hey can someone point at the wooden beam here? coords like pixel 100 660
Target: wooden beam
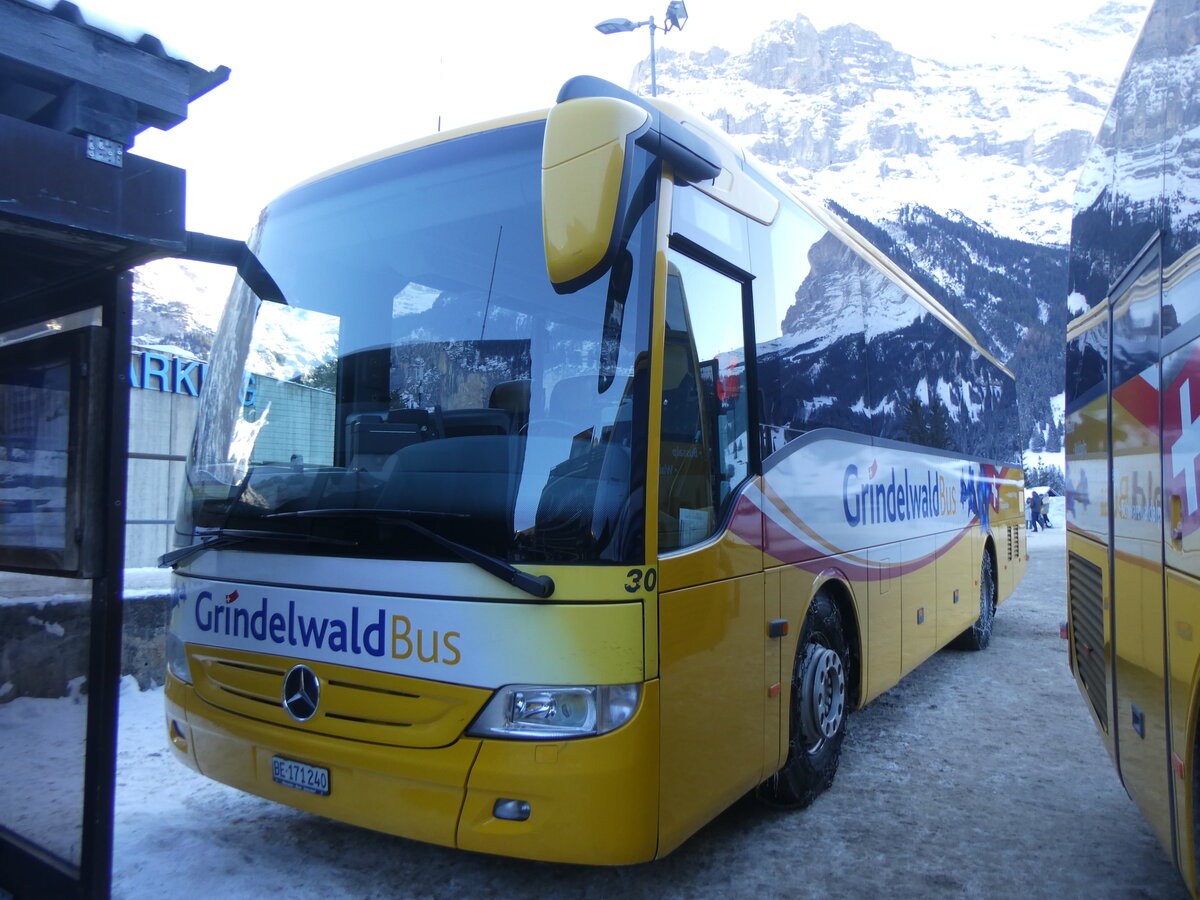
pixel 66 52
pixel 64 214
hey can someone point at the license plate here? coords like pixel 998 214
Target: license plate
pixel 303 777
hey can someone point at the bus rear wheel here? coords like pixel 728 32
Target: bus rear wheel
pixel 820 704
pixel 979 634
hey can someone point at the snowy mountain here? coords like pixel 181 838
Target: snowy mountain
pixel 177 305
pixel 1142 176
pixel 854 334
pixel 844 114
pixel 1010 293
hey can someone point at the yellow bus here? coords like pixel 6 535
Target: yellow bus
pixel 575 481
pixel 1133 401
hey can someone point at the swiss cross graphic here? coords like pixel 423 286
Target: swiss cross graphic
pixel 1181 440
pixel 729 378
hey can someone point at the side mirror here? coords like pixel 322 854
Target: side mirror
pixel 587 159
pixel 587 173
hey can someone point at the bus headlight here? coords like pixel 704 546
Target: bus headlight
pixel 177 661
pixel 540 712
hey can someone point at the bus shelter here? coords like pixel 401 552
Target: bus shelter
pixel 77 212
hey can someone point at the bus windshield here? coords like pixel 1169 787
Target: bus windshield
pixel 423 372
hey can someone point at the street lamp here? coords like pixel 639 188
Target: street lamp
pixel 676 17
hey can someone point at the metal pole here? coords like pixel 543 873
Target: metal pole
pixel 104 664
pixel 653 75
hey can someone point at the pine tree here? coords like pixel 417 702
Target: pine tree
pixel 939 424
pixel 323 376
pixel 915 427
pixel 1054 438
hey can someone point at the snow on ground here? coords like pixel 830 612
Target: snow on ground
pixel 16 587
pixel 42 743
pixel 979 775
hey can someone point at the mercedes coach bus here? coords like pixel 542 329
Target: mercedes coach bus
pixel 1133 429
pixel 573 481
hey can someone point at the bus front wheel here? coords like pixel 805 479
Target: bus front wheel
pixel 820 689
pixel 979 634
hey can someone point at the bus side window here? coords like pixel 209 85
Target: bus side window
pixel 704 453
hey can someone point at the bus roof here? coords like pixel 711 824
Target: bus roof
pixel 418 143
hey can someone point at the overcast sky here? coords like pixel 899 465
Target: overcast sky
pixel 314 85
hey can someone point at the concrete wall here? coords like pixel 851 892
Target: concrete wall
pixel 162 412
pixel 293 409
pixel 160 435
pixel 44 645
pixel 45 626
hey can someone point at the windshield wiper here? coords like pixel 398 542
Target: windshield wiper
pixel 229 537
pixel 540 586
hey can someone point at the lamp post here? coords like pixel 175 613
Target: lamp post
pixel 675 16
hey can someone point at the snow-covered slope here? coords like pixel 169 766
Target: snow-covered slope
pixel 846 115
pixel 177 305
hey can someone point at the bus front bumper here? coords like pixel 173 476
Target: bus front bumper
pixel 591 800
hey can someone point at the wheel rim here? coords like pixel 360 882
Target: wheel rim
pixel 823 696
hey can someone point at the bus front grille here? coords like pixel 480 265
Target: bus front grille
pixel 1086 598
pixel 355 704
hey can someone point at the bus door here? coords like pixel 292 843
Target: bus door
pixel 713 665
pixel 1181 510
pixel 1141 726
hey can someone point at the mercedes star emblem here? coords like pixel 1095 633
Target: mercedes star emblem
pixel 301 693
